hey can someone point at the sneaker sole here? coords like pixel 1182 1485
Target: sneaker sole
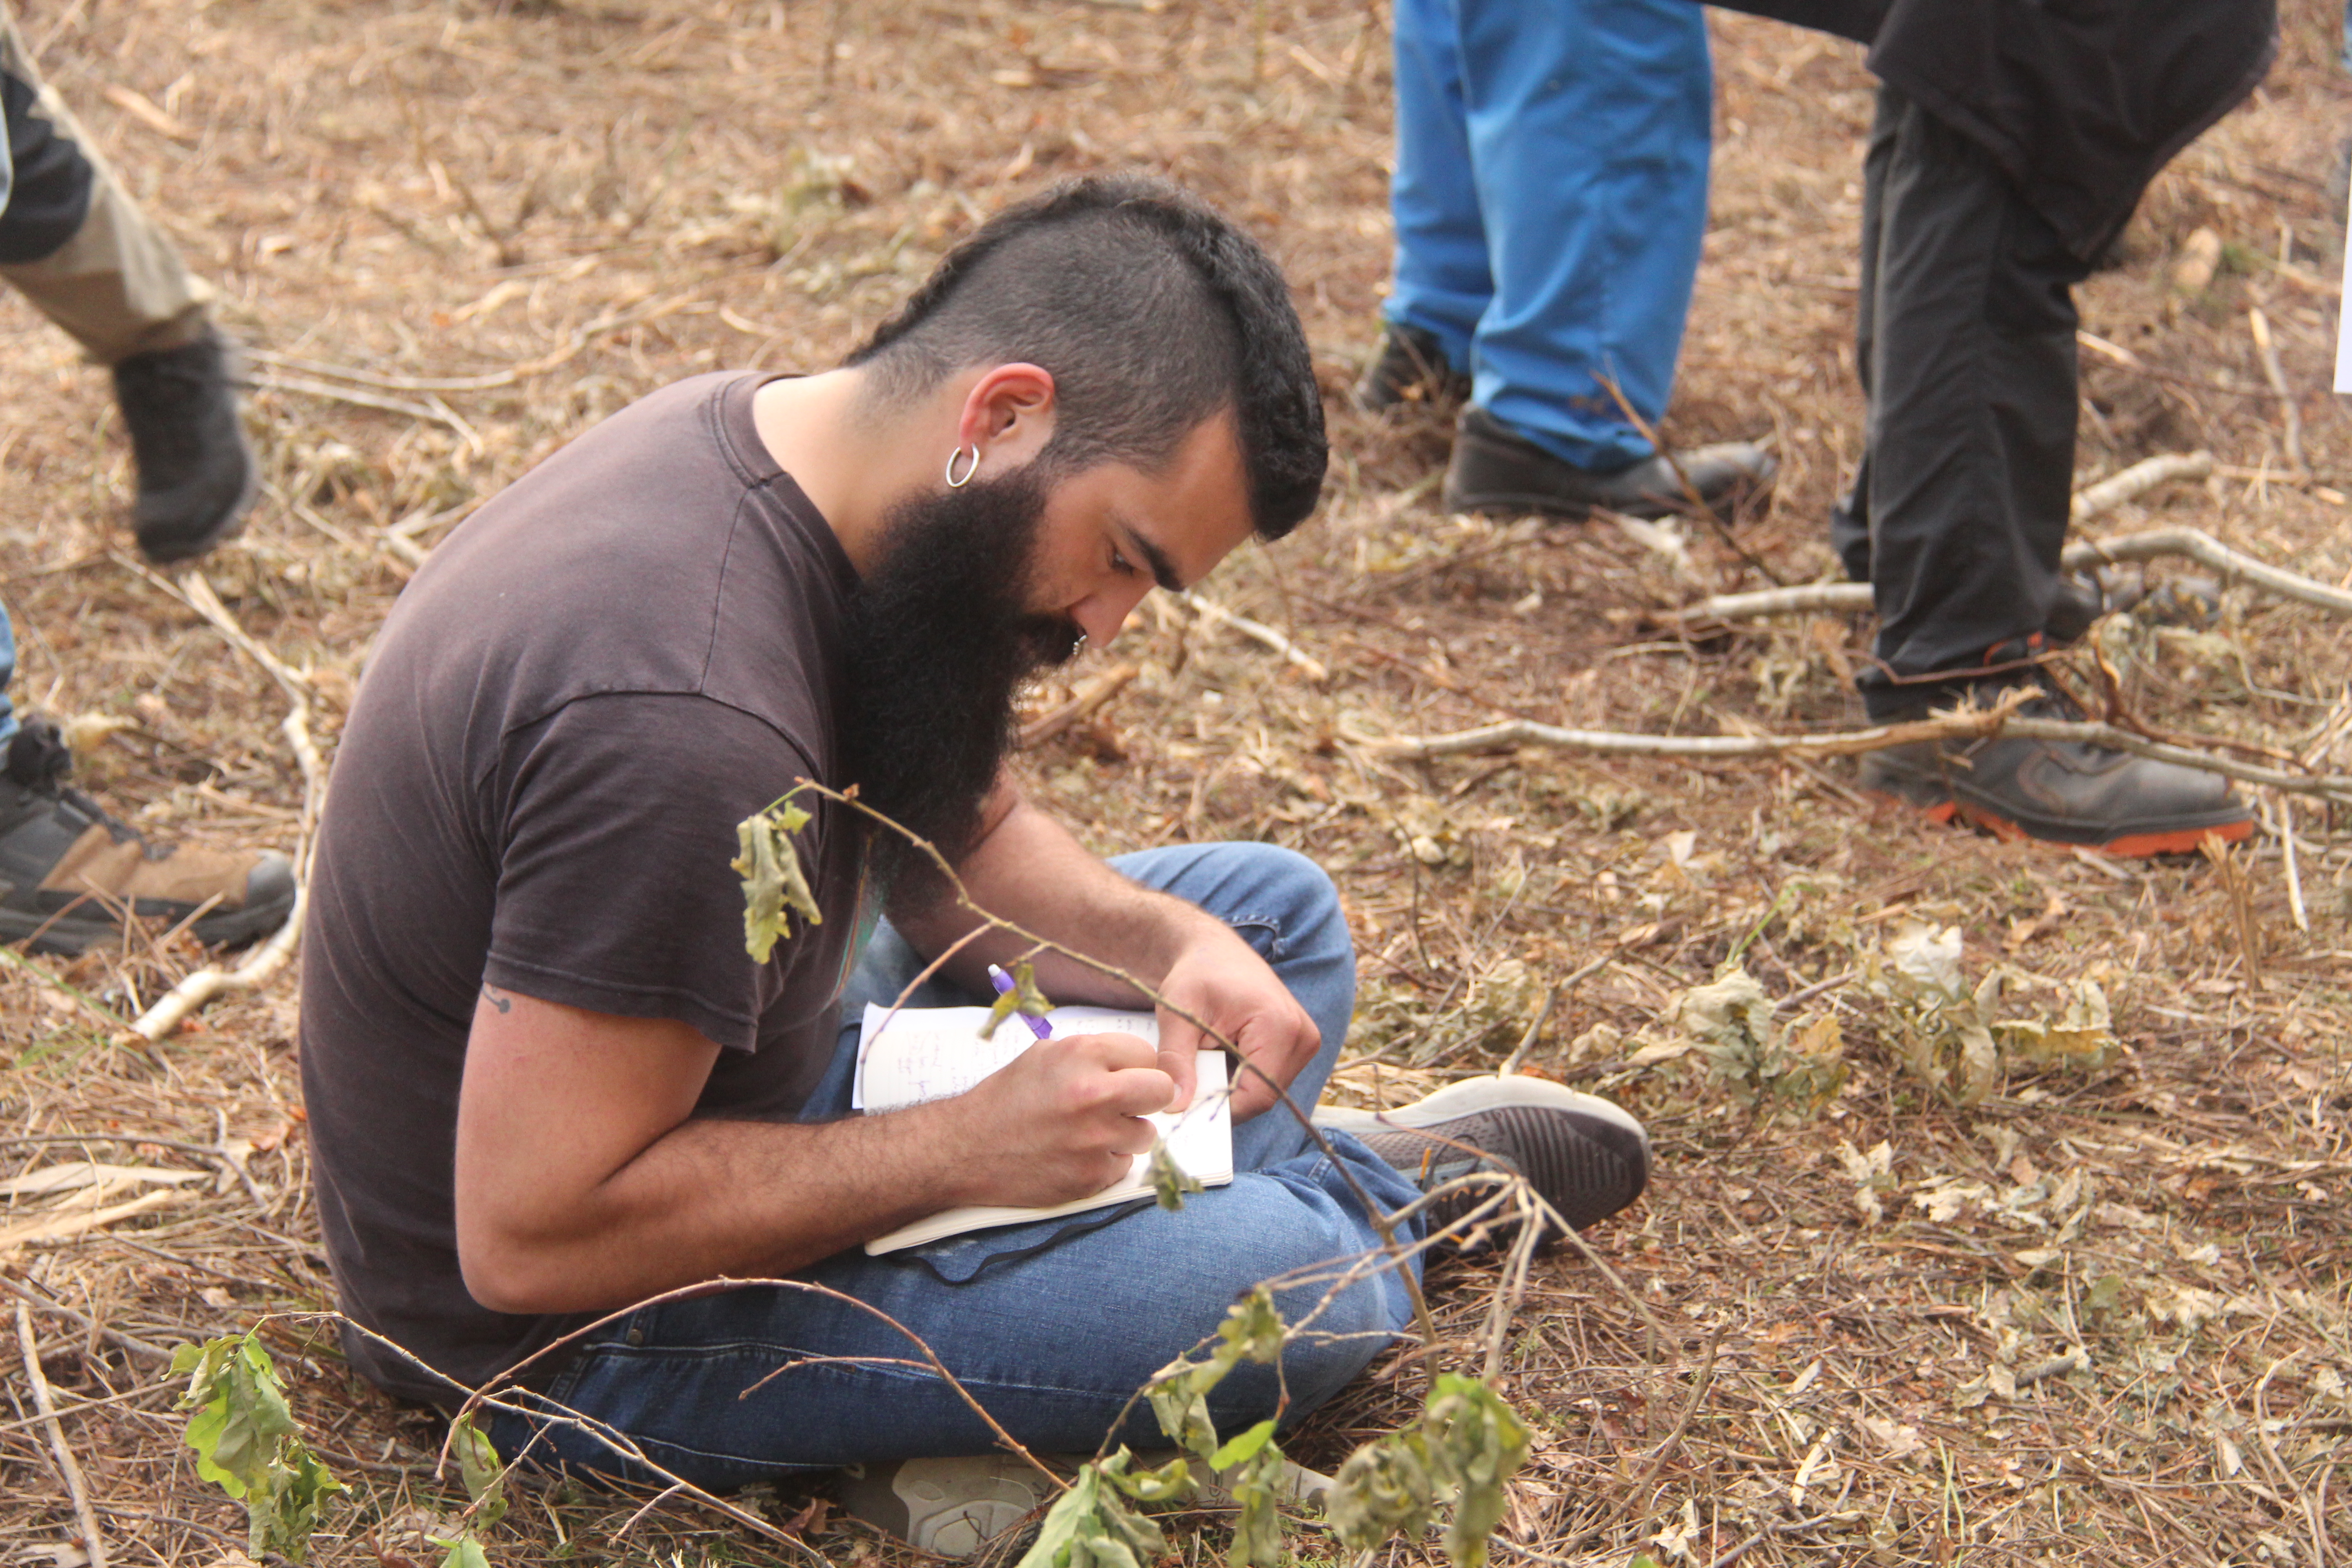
pixel 70 936
pixel 2185 839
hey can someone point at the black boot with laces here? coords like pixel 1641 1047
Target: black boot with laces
pixel 195 472
pixel 69 872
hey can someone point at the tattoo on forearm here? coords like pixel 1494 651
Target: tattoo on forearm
pixel 490 994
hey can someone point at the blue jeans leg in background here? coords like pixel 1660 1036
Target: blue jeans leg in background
pixel 7 673
pixel 1549 202
pixel 1052 1326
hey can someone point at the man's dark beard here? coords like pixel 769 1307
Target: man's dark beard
pixel 939 639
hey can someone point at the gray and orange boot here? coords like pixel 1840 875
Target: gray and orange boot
pixel 69 872
pixel 2062 791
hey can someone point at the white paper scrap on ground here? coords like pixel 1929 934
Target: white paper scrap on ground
pixel 931 1053
pixel 2343 320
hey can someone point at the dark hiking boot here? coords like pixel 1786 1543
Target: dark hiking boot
pixel 67 869
pixel 195 471
pixel 1412 370
pixel 1587 1157
pixel 2065 792
pixel 1496 470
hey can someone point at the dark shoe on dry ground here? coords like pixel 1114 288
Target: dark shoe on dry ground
pixel 67 869
pixel 1496 470
pixel 195 472
pixel 1411 372
pixel 1587 1157
pixel 2065 792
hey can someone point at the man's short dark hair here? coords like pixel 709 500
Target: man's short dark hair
pixel 1152 313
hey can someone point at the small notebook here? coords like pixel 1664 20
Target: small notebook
pixel 931 1053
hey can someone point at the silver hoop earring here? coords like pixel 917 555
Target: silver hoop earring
pixel 954 483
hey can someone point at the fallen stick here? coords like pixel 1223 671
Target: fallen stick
pixel 58 1227
pixel 1260 633
pixel 1090 696
pixel 92 1541
pixel 435 412
pixel 1835 744
pixel 1960 725
pixel 194 991
pixel 2290 417
pixel 171 1009
pixel 2142 477
pixel 2194 544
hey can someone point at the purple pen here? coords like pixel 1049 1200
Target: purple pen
pixel 1003 984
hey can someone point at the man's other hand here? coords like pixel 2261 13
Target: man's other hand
pixel 1220 979
pixel 1063 1120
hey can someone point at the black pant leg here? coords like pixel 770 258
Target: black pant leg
pixel 1969 447
pixel 50 195
pixel 1850 517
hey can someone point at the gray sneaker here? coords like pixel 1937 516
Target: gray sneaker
pixel 1587 1157
pixel 949 1507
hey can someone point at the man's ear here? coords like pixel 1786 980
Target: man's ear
pixel 1008 415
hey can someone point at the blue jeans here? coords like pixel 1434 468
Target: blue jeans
pixel 1549 199
pixel 1052 1326
pixel 7 673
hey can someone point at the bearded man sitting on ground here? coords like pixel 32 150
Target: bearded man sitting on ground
pixel 545 1081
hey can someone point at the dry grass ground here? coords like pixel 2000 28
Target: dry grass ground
pixel 2099 1318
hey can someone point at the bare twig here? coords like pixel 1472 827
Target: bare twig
pixel 1092 695
pixel 264 962
pixel 92 1540
pixel 1257 632
pixel 489 381
pixel 29 1294
pixel 1963 724
pixel 2290 418
pixel 2136 480
pixel 1543 1015
pixel 1839 598
pixel 436 411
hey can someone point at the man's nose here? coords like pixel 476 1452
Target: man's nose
pixel 1101 613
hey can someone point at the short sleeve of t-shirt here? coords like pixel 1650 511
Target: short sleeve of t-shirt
pixel 615 892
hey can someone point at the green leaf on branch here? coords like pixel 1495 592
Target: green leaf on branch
pixel 1169 1482
pixel 1243 1449
pixel 1384 1488
pixel 1023 998
pixel 241 1412
pixel 1171 1183
pixel 1178 1397
pixel 1089 1526
pixel 478 1466
pixel 1179 1392
pixel 464 1552
pixel 774 883
pixel 1467 1445
pixel 248 1443
pixel 1252 1328
pixel 1475 1443
pixel 299 1490
pixel 1249 1466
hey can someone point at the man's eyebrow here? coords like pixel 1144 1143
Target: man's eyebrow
pixel 1163 571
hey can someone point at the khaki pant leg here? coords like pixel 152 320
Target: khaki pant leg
pixel 117 287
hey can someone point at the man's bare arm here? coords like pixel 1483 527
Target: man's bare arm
pixel 1028 868
pixel 584 1182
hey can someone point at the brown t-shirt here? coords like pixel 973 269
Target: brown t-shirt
pixel 595 678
